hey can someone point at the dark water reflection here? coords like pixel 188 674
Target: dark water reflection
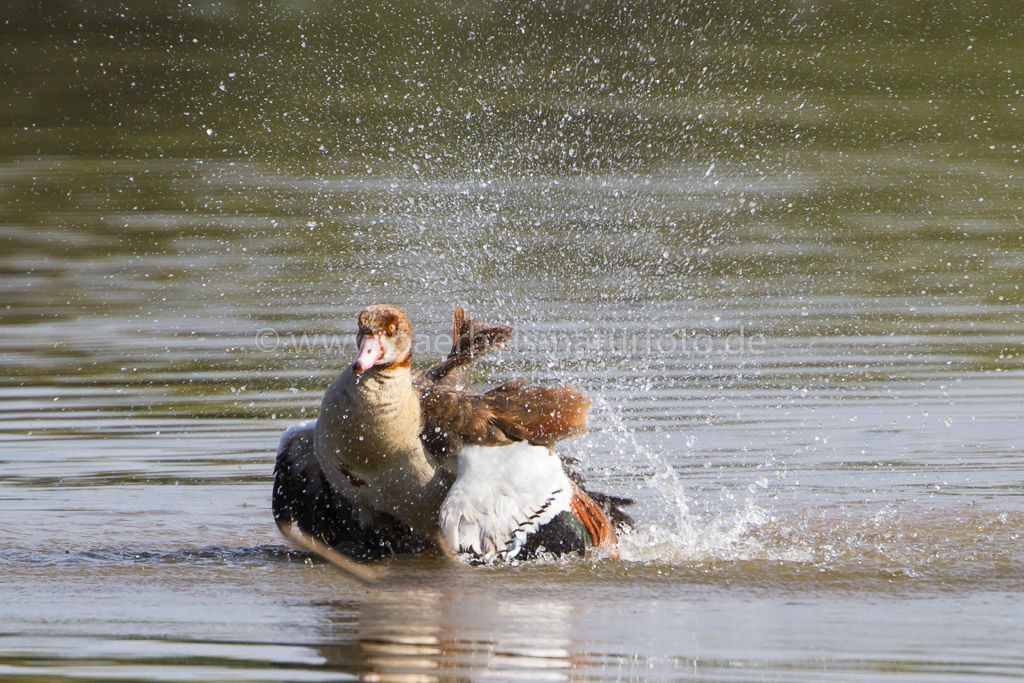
pixel 834 189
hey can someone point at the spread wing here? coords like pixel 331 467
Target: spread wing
pixel 514 411
pixel 470 340
pixel 454 416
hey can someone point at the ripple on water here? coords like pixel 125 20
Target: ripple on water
pixel 844 502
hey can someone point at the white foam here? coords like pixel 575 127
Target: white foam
pixel 668 531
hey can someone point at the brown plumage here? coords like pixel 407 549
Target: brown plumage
pixel 470 340
pixel 540 415
pixel 594 519
pixel 514 411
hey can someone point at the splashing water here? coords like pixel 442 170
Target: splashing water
pixel 667 530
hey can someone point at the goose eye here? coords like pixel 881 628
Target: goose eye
pixel 391 328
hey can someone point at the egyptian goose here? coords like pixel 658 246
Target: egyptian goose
pixel 396 462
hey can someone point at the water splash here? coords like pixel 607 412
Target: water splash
pixel 669 530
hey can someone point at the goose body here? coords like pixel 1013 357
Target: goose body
pixel 397 463
pixel 367 441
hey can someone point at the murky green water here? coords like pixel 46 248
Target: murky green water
pixel 781 247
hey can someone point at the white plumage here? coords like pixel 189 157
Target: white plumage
pixel 503 494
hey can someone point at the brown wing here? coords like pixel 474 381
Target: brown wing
pixel 452 416
pixel 514 411
pixel 470 340
pixel 540 415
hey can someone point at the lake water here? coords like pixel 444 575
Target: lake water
pixel 780 247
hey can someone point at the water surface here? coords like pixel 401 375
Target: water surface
pixel 782 250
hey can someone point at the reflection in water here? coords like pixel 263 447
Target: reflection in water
pixel 515 624
pixel 406 632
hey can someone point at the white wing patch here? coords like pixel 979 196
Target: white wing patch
pixel 502 495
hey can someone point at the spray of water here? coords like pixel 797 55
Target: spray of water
pixel 669 528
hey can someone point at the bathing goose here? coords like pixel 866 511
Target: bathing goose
pixel 396 462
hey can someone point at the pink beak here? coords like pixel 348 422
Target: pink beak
pixel 370 353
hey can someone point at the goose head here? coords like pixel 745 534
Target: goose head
pixel 384 339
